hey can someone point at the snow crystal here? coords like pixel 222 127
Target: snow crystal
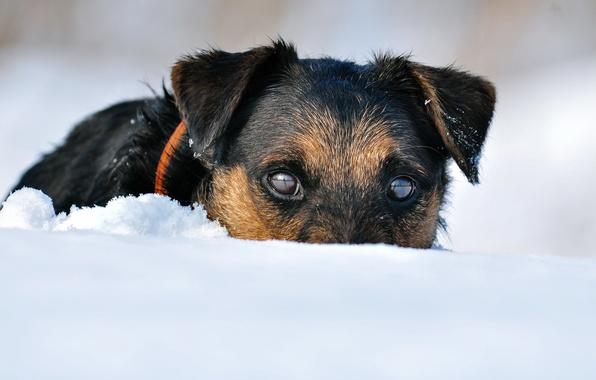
pixel 452 119
pixel 148 214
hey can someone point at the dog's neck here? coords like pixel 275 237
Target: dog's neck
pixel 166 157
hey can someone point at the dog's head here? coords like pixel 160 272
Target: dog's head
pixel 321 150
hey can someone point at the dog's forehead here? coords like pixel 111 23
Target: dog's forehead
pixel 330 97
pixel 331 121
pixel 338 146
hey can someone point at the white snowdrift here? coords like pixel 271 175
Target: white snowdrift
pixel 148 214
pixel 89 305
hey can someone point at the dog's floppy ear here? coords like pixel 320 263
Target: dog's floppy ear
pixel 209 87
pixel 461 107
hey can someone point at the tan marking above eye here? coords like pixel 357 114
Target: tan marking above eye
pixel 356 155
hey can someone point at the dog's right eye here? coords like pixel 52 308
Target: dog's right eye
pixel 284 185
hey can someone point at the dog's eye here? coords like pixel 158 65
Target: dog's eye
pixel 401 189
pixel 284 184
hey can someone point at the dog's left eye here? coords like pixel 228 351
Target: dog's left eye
pixel 284 184
pixel 401 189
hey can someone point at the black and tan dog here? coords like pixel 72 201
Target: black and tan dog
pixel 277 147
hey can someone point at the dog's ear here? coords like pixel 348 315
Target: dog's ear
pixel 210 86
pixel 459 106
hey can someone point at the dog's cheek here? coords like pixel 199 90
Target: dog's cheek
pixel 232 204
pixel 418 230
pixel 235 202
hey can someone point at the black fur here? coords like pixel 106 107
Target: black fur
pixel 113 152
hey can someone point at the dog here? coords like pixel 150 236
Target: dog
pixel 278 147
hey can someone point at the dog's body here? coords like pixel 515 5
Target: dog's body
pixel 277 147
pixel 113 152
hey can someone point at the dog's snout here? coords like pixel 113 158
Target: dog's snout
pixel 344 225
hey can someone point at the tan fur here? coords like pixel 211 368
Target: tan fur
pixel 419 231
pixel 236 205
pixel 353 156
pixel 319 234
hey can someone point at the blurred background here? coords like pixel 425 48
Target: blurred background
pixel 63 59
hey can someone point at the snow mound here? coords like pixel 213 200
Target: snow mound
pixel 148 214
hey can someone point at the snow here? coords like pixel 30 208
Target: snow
pixel 176 298
pixel 148 214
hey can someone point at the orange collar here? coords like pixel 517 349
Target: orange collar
pixel 166 157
